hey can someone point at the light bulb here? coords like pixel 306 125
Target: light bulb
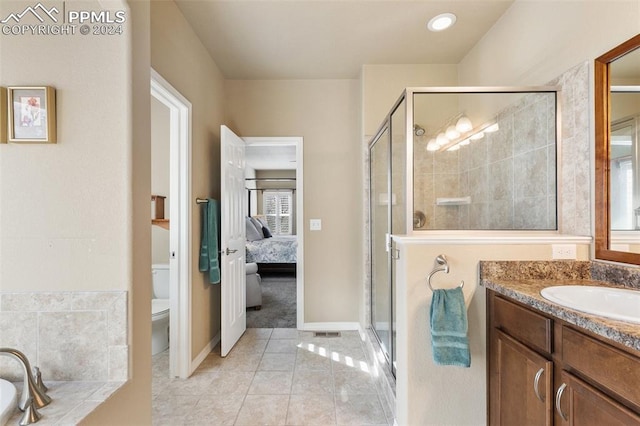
pixel 442 139
pixel 433 145
pixel 452 133
pixel 464 124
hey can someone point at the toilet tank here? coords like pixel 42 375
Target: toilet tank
pixel 160 279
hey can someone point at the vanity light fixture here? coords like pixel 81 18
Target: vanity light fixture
pixel 441 22
pixel 471 135
pixel 476 136
pixel 492 128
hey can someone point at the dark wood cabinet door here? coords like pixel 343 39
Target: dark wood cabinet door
pixel 523 384
pixel 583 405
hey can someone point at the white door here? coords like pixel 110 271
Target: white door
pixel 233 211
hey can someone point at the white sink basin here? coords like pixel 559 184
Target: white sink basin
pixel 8 401
pixel 615 303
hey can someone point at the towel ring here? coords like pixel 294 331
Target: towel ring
pixel 443 266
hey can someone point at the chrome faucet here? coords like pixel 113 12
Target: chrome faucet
pixel 33 392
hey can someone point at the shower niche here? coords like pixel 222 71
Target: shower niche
pixel 456 160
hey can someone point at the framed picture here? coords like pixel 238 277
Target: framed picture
pixel 32 114
pixel 3 115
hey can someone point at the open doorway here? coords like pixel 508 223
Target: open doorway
pixel 172 125
pixel 273 177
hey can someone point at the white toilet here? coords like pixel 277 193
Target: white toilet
pixel 160 309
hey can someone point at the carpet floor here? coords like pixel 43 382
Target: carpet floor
pixel 278 303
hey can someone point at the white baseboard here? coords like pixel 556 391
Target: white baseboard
pixel 203 354
pixel 331 326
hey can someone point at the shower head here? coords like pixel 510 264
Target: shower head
pixel 419 131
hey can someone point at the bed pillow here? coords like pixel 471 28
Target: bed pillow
pixel 252 233
pixel 261 225
pixel 256 223
pixel 265 227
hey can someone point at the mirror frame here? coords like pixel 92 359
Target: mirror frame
pixel 602 154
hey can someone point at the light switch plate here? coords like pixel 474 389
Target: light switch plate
pixel 315 224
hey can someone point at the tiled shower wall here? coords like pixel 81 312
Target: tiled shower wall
pixel 510 175
pixel 79 336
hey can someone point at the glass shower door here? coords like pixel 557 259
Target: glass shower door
pixel 398 207
pixel 380 221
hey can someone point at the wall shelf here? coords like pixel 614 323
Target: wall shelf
pixel 157 211
pixel 163 223
pixel 454 201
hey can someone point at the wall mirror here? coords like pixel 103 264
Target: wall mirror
pixel 617 125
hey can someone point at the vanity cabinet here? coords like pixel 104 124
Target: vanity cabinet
pixel 542 371
pixel 523 384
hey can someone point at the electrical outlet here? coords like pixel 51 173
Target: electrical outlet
pixel 563 251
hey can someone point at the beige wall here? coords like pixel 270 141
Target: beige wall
pixel 132 404
pixel 382 85
pixel 518 50
pixel 178 55
pixel 325 114
pixel 61 226
pixel 435 395
pixel 160 177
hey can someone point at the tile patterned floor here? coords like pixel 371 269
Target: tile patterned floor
pixel 274 377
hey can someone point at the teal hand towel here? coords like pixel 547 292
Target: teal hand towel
pixel 449 340
pixel 209 241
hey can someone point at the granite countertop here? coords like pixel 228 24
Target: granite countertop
pixel 527 291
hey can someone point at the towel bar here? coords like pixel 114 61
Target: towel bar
pixel 443 266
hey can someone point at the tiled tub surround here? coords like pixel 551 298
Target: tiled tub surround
pixel 523 281
pixel 77 339
pixel 71 401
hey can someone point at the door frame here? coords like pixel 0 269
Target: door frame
pixel 296 141
pixel 180 256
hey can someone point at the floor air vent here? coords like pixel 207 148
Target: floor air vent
pixel 326 334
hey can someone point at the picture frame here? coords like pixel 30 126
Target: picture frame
pixel 4 120
pixel 32 114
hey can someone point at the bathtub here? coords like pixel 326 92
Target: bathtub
pixel 8 401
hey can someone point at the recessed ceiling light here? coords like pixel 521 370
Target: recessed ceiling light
pixel 441 22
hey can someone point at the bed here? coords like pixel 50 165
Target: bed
pixel 271 253
pixel 274 250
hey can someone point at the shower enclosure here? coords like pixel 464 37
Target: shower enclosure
pixel 452 160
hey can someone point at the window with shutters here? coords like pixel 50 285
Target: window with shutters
pixel 276 207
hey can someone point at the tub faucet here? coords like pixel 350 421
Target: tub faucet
pixel 32 394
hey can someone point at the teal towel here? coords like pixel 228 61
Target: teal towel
pixel 209 241
pixel 449 328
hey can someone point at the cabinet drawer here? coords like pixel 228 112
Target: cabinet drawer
pixel 603 364
pixel 526 326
